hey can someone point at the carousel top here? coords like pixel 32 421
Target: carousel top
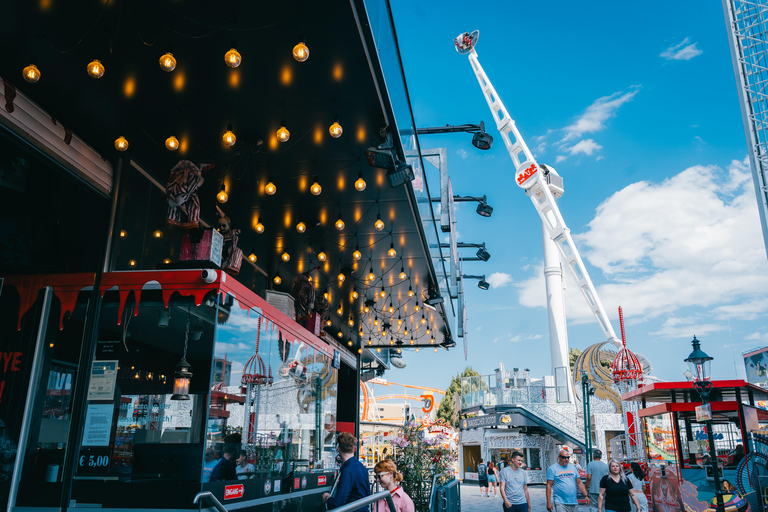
pixel 626 366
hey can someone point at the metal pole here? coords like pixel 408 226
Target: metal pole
pixel 715 468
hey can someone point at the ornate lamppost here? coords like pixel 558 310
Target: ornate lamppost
pixel 586 391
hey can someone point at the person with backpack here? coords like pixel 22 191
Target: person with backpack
pixel 482 478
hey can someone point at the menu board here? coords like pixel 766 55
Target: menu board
pixel 103 380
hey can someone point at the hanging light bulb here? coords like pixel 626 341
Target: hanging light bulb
pixel 391 308
pixel 357 254
pixel 399 320
pixel 410 292
pixel 259 226
pixel 270 188
pixel 379 224
pixel 222 196
pixel 349 342
pixel 167 261
pixel 341 278
pixel 31 73
pixel 121 144
pixel 391 252
pixel 412 342
pixel 132 263
pixel 158 234
pixel 370 342
pixel 398 350
pixel 335 129
pixel 383 331
pixel 327 296
pixel 366 309
pixel 350 322
pixel 233 57
pixel 321 255
pixel 282 133
pixel 229 136
pixel 316 189
pixel 423 320
pixel 301 52
pixel 285 257
pixel 360 183
pixel 416 306
pixel 96 69
pixel 340 334
pixel 328 323
pixel 167 62
pixel 361 332
pixel 376 321
pixel 252 258
pixel 301 227
pixel 378 349
pixel 277 279
pixel 435 349
pixel 432 340
pixel 355 295
pixel 340 223
pixel 383 292
pixel 417 349
pixel 405 332
pixel 391 341
pixel 402 275
pixel 429 331
pixel 172 143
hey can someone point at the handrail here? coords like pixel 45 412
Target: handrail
pixel 208 494
pixel 434 488
pixel 362 502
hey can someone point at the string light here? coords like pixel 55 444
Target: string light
pixel 316 189
pixel 259 226
pixel 360 350
pixel 383 292
pixel 301 52
pixel 340 311
pixel 357 254
pixel 361 332
pixel 392 252
pixel 158 234
pixel 341 277
pixel 31 74
pixel 270 188
pixel 376 321
pixel 378 349
pixel 360 183
pixel 327 296
pixel 335 129
pixel 371 275
pixel 132 263
pixel 229 136
pixel 366 309
pixel 252 258
pixel 405 332
pixel 423 320
pixel 121 143
pixel 350 322
pixel 383 331
pixel 328 323
pixel 340 223
pixel 233 58
pixel 435 349
pixel 355 295
pixel 321 255
pixel 340 334
pixel 222 196
pixel 167 261
pixel 391 341
pixel 301 227
pixel 123 233
pixel 416 306
pixel 285 257
pixel 412 340
pixel 417 349
pixel 370 342
pixel 277 279
pixel 96 69
pixel 432 340
pixel 399 320
pixel 282 133
pixel 411 293
pixel 429 331
pixel 167 62
pixel 391 308
pixel 398 350
pixel 379 224
pixel 172 143
pixel 402 275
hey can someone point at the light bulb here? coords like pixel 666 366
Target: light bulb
pixel 361 334
pixel 328 323
pixel 172 143
pixel 391 341
pixel 432 340
pixel 341 277
pixel 259 226
pixel 31 73
pixel 429 331
pixel 277 279
pixel 229 136
pixel 167 261
pixel 392 252
pixel 383 331
pixel 376 321
pixel 340 223
pixel 340 334
pixel 301 227
pixel 360 183
pixel 285 257
pixel 402 275
pixel 167 62
pixel 382 293
pixel 123 233
pixel 416 307
pixel 233 58
pixel 391 308
pixel 316 189
pixel 412 340
pixel 350 322
pixel 282 133
pixel 322 256
pixel 435 349
pixel 357 254
pixel 398 350
pixel 158 234
pixel 96 69
pixel 417 349
pixel 423 320
pixel 301 52
pixel 335 129
pixel 132 263
pixel 222 196
pixel 371 275
pixel 360 351
pixel 411 293
pixel 270 188
pixel 370 341
pixel 252 258
pixel 405 332
pixel 378 349
pixel 399 320
pixel 349 343
pixel 355 295
pixel 327 296
pixel 340 310
pixel 366 309
pixel 121 144
pixel 379 224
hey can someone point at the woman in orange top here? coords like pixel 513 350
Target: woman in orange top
pixel 388 477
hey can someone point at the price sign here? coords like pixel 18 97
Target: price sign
pixel 93 461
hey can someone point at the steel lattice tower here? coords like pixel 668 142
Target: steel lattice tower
pixel 747 22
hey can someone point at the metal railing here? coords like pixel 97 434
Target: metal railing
pixel 445 498
pixel 349 507
pixel 208 495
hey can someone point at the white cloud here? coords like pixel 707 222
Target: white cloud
pixel 524 337
pixel 683 328
pixel 599 158
pixel 499 279
pixel 587 147
pixel 682 51
pixel 462 153
pixel 756 336
pixel 597 113
pixel 560 158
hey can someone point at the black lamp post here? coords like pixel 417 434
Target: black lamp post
pixel 699 363
pixel 586 391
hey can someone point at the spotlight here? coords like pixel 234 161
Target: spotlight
pixel 484 209
pixel 481 139
pixel 483 284
pixel 402 174
pixel 483 254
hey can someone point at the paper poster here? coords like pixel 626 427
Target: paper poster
pixel 103 380
pixel 98 425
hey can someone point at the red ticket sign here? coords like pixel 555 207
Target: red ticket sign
pixel 234 491
pixel 321 480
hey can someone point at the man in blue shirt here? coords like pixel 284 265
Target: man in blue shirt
pixel 353 477
pixel 563 478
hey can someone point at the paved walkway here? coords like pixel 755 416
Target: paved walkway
pixel 472 501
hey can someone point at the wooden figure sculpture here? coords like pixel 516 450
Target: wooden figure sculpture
pixel 181 191
pixel 303 295
pixel 232 255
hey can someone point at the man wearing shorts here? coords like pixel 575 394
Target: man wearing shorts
pixel 562 481
pixel 482 478
pixel 514 485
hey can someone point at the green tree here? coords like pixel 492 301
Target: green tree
pixel 445 409
pixel 573 355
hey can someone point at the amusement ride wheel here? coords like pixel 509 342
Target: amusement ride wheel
pixel 750 468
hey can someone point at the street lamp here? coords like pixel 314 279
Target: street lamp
pixel 700 363
pixel 586 391
pixel 482 283
pixel 481 139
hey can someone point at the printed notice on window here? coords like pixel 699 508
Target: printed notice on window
pixel 103 380
pixel 98 425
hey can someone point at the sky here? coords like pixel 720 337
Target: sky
pixel 636 106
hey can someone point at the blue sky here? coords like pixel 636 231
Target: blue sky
pixel 636 106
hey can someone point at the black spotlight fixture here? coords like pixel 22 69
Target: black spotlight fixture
pixel 481 139
pixel 483 254
pixel 483 284
pixel 484 209
pixel 402 174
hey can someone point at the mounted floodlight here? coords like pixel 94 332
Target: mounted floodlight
pixel 483 254
pixel 448 343
pixel 482 283
pixel 484 209
pixel 396 359
pixel 402 174
pixel 481 139
pixel 466 42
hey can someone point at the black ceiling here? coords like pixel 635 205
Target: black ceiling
pixel 197 101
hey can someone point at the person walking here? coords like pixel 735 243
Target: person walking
pixel 385 472
pixel 493 478
pixel 513 481
pixel 562 482
pixel 616 491
pixel 637 477
pixel 352 484
pixel 482 477
pixel 596 470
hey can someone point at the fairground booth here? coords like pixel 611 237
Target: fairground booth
pixel 210 233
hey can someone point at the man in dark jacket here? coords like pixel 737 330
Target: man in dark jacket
pixel 225 469
pixel 353 477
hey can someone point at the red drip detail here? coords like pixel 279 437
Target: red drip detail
pixel 121 307
pixel 137 297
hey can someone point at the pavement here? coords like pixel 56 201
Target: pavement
pixel 472 501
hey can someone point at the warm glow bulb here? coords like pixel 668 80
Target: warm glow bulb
pixel 167 261
pixel 172 143
pixel 316 189
pixel 277 280
pixel 167 62
pixel 340 223
pixel 355 295
pixel 327 296
pixel 322 256
pixel 376 322
pixel 391 341
pixel 371 275
pixel 270 189
pixel 416 307
pixel 132 263
pixel 370 341
pixel 411 293
pixel 283 134
pixel 301 227
pixel 350 322
pixel 417 349
pixel 335 130
pixel 391 252
pixel 121 144
pixel 402 275
pixel 349 343
pixel 341 277
pixel 435 349
pixel 340 310
pixel 222 196
pixel 366 309
pixel 398 350
pixel 158 234
pixel 429 331
pixel 378 349
pixel 360 184
pixel 423 320
pixel 31 73
pixel 379 225
pixel 229 138
pixel 382 293
pixel 233 58
pixel 259 227
pixel 286 257
pixel 412 341
pixel 301 52
pixel 357 254
pixel 252 258
pixel 328 323
pixel 391 308
pixel 432 340
pixel 399 321
pixel 96 69
pixel 340 334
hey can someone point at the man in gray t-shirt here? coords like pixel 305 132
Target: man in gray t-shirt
pixel 596 470
pixel 514 485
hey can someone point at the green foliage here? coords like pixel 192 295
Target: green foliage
pixel 445 409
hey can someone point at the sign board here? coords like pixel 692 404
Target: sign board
pixel 756 365
pixel 704 412
pixel 98 425
pixel 103 380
